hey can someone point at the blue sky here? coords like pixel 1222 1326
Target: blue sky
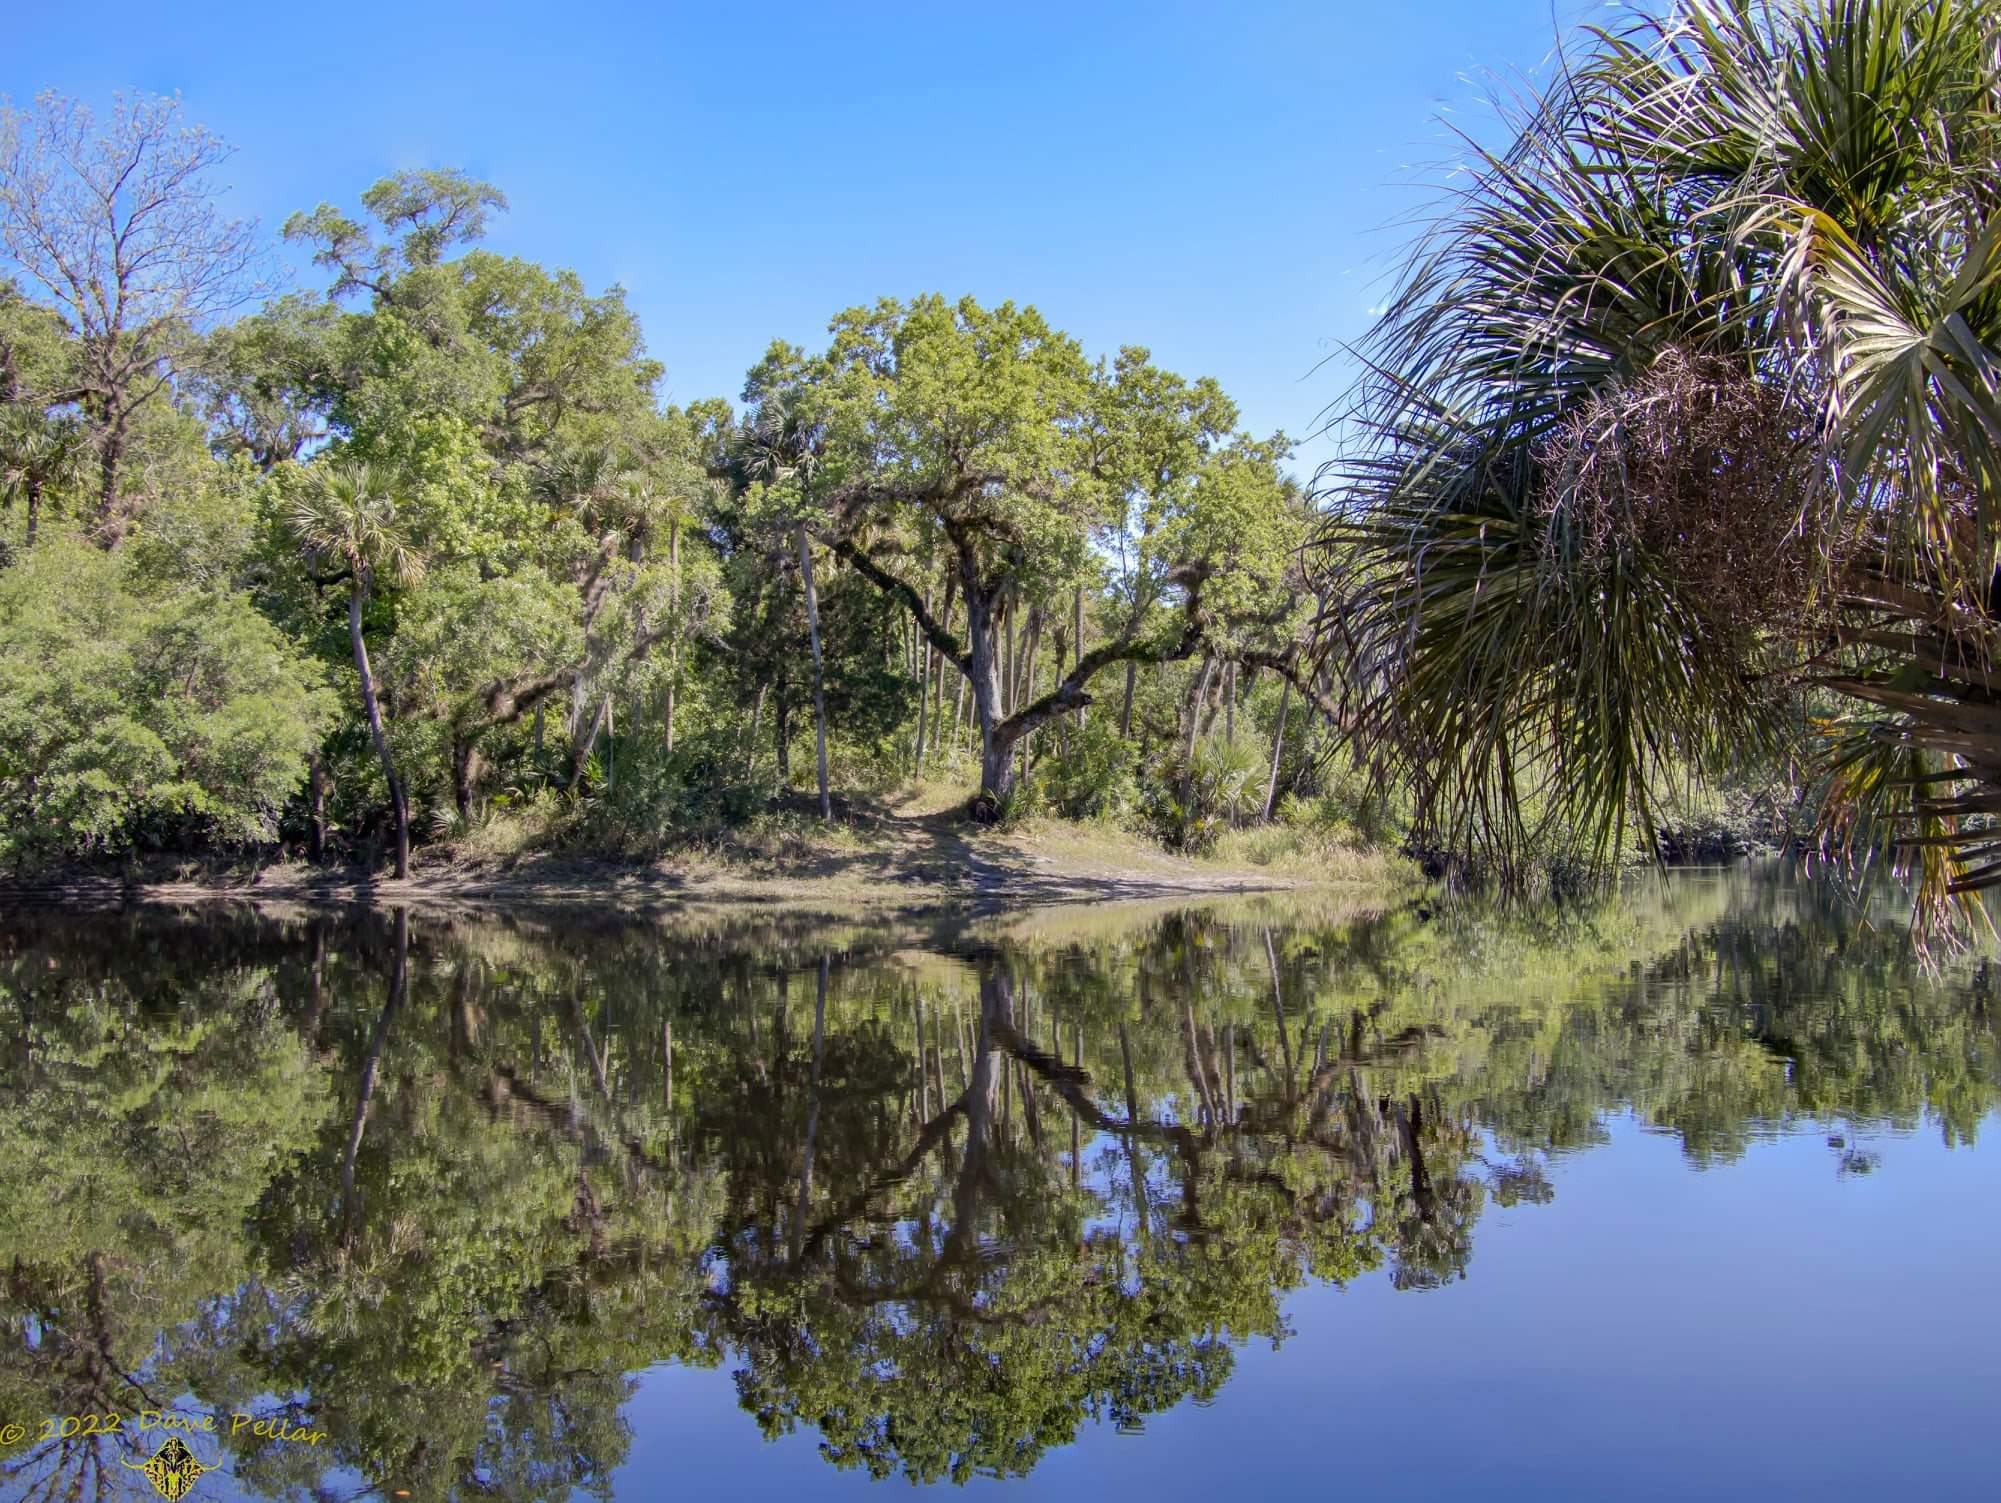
pixel 1221 183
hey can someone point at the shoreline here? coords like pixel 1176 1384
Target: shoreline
pixel 931 873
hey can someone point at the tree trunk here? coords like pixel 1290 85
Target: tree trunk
pixel 674 606
pixel 371 1067
pixel 959 711
pixel 1007 659
pixel 357 601
pixel 1126 711
pixel 111 443
pixel 938 697
pixel 781 731
pixel 750 741
pixel 585 747
pixel 465 771
pixel 34 508
pixel 316 782
pixel 923 700
pixel 1277 745
pixel 1025 690
pixel 819 674
pixel 673 680
pixel 996 760
pixel 1194 726
pixel 1230 705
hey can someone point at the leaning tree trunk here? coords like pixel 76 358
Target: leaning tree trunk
pixel 923 656
pixel 819 673
pixel 357 601
pixel 1277 745
pixel 371 1067
pixel 1194 726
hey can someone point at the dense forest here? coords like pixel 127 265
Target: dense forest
pixel 1665 503
pixel 353 569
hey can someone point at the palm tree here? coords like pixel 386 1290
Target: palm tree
pixel 1686 410
pixel 345 515
pixel 37 454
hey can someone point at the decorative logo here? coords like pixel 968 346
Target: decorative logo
pixel 172 1471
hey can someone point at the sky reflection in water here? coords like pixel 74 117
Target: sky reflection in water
pixel 1684 1196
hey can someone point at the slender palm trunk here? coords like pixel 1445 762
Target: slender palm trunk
pixel 1277 744
pixel 819 673
pixel 1194 725
pixel 674 605
pixel 34 508
pixel 316 775
pixel 750 741
pixel 357 602
pixel 943 663
pixel 923 700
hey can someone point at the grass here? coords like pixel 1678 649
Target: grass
pixel 1307 851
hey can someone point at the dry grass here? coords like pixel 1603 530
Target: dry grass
pixel 1308 853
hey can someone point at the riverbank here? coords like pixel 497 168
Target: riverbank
pixel 865 864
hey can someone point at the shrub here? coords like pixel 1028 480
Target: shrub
pixel 128 715
pixel 653 796
pixel 1090 773
pixel 1194 800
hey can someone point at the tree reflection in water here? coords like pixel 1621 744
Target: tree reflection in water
pixel 440 1189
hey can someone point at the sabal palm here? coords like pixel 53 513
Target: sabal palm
pixel 594 482
pixel 346 515
pixel 1774 222
pixel 38 454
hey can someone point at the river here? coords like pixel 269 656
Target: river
pixel 1688 1194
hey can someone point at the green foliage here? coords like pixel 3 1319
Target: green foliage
pixel 645 799
pixel 1193 800
pixel 126 713
pixel 1688 398
pixel 1090 772
pixel 467 453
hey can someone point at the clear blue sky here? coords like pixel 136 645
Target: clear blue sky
pixel 1220 182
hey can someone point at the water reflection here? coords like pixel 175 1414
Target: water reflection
pixel 438 1191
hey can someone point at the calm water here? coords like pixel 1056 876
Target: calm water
pixel 1693 1196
